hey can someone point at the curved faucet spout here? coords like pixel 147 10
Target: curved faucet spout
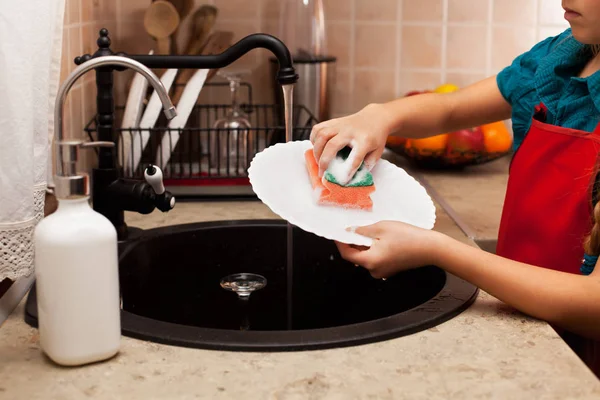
pixel 287 74
pixel 168 108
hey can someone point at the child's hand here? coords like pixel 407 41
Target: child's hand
pixel 396 247
pixel 366 132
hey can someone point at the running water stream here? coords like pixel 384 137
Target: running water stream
pixel 288 102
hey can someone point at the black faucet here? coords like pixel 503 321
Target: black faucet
pixel 111 194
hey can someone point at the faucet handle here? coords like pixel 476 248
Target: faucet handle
pixel 165 201
pixel 154 177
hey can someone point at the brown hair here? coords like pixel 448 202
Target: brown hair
pixel 591 245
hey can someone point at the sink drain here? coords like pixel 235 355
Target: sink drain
pixel 243 284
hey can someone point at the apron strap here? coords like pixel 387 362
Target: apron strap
pixel 540 112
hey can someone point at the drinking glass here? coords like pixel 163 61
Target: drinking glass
pixel 232 141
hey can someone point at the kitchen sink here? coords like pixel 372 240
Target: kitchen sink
pixel 171 291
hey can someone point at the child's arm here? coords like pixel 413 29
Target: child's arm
pixel 414 117
pixel 567 300
pixel 432 113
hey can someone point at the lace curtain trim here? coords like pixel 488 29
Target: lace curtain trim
pixel 16 241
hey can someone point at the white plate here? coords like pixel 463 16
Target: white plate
pixel 279 178
pixel 150 116
pixel 186 104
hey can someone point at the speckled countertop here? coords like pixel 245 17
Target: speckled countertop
pixel 489 351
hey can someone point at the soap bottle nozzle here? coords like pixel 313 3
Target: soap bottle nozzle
pixel 69 183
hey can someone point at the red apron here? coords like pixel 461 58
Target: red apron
pixel 547 208
pixel 548 204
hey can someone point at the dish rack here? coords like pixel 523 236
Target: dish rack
pixel 193 168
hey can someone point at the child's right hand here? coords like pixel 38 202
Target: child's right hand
pixel 365 132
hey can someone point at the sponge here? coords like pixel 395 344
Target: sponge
pixel 355 195
pixel 339 169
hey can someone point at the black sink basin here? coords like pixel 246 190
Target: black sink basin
pixel 170 285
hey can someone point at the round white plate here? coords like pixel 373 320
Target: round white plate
pixel 279 178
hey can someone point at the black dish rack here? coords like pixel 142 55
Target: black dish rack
pixel 193 169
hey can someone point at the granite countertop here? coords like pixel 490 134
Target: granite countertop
pixel 488 351
pixel 464 191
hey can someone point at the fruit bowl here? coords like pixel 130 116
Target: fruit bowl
pixel 461 148
pixel 436 159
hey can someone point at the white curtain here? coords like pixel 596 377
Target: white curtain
pixel 30 53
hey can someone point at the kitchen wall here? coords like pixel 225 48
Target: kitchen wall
pixel 83 20
pixel 389 47
pixel 384 47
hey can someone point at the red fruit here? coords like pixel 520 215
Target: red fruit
pixel 465 144
pixel 415 92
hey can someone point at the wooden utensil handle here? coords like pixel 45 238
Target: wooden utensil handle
pixel 164 45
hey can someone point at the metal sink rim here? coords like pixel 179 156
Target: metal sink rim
pixel 455 296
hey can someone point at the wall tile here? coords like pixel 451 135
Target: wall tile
pixel 74 45
pixel 373 87
pixel 271 27
pixel 342 95
pixel 337 9
pixel 515 12
pixel 375 46
pixel 464 79
pixel 86 10
pixel 339 42
pixel 551 13
pixel 475 11
pixel 88 39
pixel 243 9
pixel 550 30
pixel 413 80
pixel 72 11
pixel 421 47
pixel 132 39
pixel 65 56
pixel 508 43
pixel 271 9
pixel 466 47
pixel 89 101
pixel 76 112
pixel 381 10
pixel 422 10
pixel 108 10
pixel 132 10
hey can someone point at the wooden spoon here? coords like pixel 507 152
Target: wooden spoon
pixel 161 20
pixel 203 22
pixel 184 7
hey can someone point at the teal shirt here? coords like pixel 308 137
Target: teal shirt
pixel 548 74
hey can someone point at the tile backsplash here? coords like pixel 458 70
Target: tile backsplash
pixel 83 19
pixel 384 47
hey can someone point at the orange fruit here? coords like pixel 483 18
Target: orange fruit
pixel 429 145
pixel 496 138
pixel 395 141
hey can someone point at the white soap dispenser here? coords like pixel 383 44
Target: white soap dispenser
pixel 76 268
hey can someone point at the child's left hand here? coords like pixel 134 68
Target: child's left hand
pixel 396 247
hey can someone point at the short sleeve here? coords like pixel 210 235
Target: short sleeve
pixel 518 77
